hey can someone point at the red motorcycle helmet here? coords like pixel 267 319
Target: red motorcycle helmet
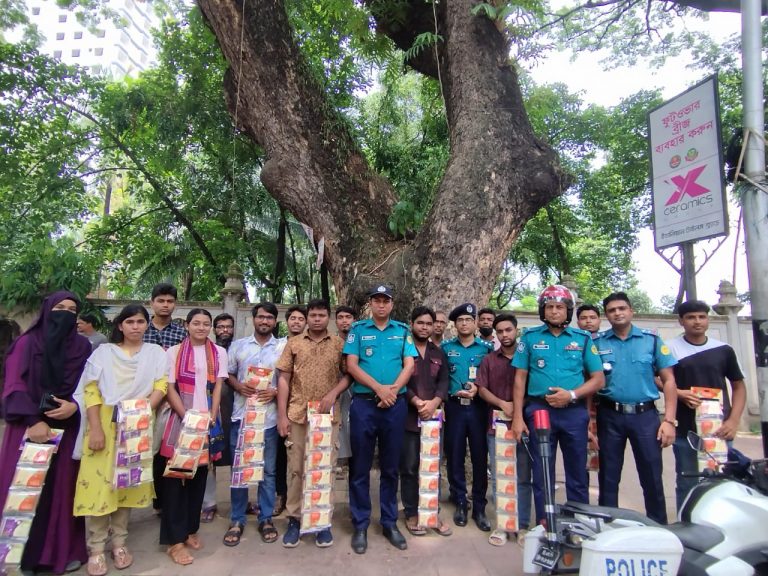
pixel 557 293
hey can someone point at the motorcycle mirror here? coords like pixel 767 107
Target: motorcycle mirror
pixel 694 441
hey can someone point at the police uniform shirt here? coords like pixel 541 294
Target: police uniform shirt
pixel 380 352
pixel 555 361
pixel 630 365
pixel 463 361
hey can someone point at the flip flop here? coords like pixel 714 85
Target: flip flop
pixel 207 515
pixel 121 558
pixel 411 524
pixel 497 538
pixel 97 565
pixel 180 555
pixel 443 529
pixel 233 535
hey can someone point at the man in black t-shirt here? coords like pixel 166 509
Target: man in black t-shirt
pixel 702 362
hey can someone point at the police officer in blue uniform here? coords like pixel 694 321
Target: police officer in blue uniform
pixel 466 417
pixel 551 362
pixel 380 358
pixel 626 409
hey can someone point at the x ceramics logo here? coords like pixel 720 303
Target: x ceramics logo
pixel 686 185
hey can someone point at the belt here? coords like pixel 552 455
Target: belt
pixel 638 408
pixel 542 400
pixel 460 400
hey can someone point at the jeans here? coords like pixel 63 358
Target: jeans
pixel 686 460
pixel 266 493
pixel 524 484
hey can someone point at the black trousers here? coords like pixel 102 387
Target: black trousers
pixel 182 502
pixel 409 473
pixel 158 467
pixel 281 472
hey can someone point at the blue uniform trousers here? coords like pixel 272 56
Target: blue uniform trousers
pixel 613 431
pixel 569 430
pixel 464 423
pixel 370 425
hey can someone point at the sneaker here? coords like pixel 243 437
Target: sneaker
pixel 292 534
pixel 324 538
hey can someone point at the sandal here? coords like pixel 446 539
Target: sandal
pixel 233 535
pixel 497 538
pixel 97 565
pixel 443 529
pixel 121 557
pixel 412 525
pixel 180 555
pixel 207 515
pixel 194 542
pixel 268 532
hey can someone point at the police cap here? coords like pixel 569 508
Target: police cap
pixel 463 310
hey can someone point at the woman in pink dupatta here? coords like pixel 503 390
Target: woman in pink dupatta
pixel 48 358
pixel 197 370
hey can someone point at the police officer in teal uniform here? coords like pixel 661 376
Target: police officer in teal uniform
pixel 466 417
pixel 551 362
pixel 380 358
pixel 626 409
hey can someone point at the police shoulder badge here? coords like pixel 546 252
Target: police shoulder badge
pixel 521 346
pixel 351 337
pixel 665 349
pixel 594 349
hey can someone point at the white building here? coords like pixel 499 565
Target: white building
pixel 114 49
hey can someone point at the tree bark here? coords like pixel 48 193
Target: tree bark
pixel 497 177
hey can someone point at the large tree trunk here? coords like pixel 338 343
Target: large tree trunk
pixel 497 177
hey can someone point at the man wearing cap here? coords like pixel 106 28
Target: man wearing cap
pixel 380 358
pixel 551 361
pixel 626 408
pixel 466 417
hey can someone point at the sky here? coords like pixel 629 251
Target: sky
pixel 607 88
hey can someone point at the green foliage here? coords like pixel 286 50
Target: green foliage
pixel 422 41
pixel 43 175
pixel 45 266
pixel 405 137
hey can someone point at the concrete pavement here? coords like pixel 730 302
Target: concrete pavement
pixel 466 553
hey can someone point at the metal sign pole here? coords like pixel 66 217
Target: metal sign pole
pixel 754 200
pixel 689 271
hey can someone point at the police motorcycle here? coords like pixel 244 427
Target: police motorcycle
pixel 722 528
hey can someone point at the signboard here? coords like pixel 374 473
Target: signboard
pixel 686 167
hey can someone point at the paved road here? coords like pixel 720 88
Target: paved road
pixel 466 553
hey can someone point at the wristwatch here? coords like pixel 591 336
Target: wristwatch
pixel 573 396
pixel 673 422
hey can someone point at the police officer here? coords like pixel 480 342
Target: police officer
pixel 380 358
pixel 466 417
pixel 626 409
pixel 551 361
